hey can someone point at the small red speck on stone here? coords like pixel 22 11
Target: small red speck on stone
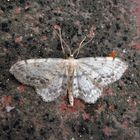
pixel 125 125
pixel 21 88
pixel 86 116
pixel 137 46
pixel 18 10
pixel 107 92
pixel 6 100
pixel 112 108
pixel 113 54
pixel 108 131
pixel 18 39
pixel 44 38
pixel 132 103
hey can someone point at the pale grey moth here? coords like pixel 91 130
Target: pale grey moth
pixel 82 78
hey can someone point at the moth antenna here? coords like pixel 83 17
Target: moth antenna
pixel 62 41
pixel 81 45
pixel 60 36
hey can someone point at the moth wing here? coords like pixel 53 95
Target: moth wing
pixel 54 90
pixel 45 75
pixel 84 88
pixel 102 70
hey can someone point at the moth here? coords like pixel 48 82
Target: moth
pixel 82 78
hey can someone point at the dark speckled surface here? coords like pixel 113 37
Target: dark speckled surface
pixel 26 32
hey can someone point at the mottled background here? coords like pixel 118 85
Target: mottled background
pixel 26 32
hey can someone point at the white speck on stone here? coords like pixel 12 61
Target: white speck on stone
pixel 9 108
pixel 124 50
